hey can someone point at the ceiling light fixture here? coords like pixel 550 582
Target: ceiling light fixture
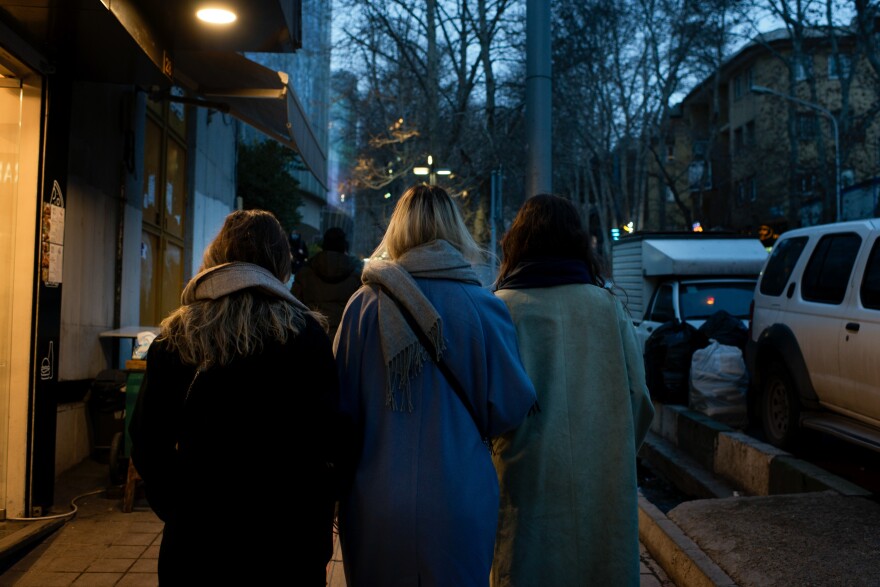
pixel 215 15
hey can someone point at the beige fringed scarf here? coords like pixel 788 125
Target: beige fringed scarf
pixel 404 355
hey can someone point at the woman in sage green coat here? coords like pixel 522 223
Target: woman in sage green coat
pixel 569 494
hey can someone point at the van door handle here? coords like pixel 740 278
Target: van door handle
pixel 852 326
pixel 790 291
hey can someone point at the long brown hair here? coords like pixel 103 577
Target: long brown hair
pixel 547 226
pixel 209 332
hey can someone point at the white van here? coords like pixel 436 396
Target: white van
pixel 664 276
pixel 814 341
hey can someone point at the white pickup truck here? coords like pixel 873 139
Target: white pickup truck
pixel 685 276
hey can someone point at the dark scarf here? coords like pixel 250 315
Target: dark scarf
pixel 546 272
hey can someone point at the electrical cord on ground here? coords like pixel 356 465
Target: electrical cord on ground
pixel 69 514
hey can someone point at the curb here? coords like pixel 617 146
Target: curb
pixel 752 466
pixel 30 533
pixel 692 449
pixel 680 557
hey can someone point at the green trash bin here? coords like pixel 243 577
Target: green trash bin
pixel 132 389
pixel 120 450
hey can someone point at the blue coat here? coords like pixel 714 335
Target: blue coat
pixel 569 495
pixel 423 506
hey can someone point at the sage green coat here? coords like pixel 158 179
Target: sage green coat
pixel 569 493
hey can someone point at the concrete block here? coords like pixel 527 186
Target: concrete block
pixel 788 474
pixel 699 435
pixel 682 470
pixel 665 423
pixel 744 461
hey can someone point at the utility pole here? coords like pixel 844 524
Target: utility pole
pixel 539 88
pixel 494 214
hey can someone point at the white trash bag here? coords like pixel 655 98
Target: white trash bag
pixel 144 340
pixel 718 384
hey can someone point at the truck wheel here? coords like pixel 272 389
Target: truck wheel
pixel 779 407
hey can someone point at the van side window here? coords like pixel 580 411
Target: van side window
pixel 782 261
pixel 828 270
pixel 870 291
pixel 662 310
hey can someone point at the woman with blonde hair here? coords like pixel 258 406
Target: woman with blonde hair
pixel 240 391
pixel 428 368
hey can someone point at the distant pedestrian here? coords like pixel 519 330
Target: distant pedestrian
pixel 329 279
pixel 568 477
pixel 235 423
pixel 423 506
pixel 299 252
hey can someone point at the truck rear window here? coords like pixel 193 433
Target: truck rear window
pixel 698 301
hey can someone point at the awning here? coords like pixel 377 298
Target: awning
pixel 155 44
pixel 256 95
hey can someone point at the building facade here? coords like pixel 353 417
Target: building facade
pixel 118 124
pixel 783 134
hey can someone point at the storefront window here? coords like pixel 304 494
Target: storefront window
pixel 10 139
pixel 20 106
pixel 164 207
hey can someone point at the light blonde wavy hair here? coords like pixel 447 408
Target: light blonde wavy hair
pixel 425 213
pixel 213 332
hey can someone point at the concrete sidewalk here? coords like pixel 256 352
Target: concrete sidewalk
pixel 762 518
pixel 103 546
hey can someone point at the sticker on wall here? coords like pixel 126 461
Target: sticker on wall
pixel 47 365
pixel 52 238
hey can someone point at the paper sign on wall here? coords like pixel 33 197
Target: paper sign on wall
pixel 52 237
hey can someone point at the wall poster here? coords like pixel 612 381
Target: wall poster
pixel 52 240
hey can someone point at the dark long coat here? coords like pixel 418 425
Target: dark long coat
pixel 238 470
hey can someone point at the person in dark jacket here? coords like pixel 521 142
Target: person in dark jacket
pixel 235 428
pixel 329 279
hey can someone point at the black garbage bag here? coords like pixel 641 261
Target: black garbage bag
pixel 726 329
pixel 668 354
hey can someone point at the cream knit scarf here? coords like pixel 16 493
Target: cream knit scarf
pixel 401 349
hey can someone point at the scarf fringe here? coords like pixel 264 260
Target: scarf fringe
pixel 402 369
pixel 406 366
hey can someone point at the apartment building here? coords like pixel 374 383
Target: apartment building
pixel 784 134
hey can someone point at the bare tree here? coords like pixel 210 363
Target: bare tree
pixel 617 68
pixel 429 85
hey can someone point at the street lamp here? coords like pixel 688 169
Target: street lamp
pixel 431 172
pixel 824 112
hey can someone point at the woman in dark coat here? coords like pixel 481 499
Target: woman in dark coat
pixel 235 429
